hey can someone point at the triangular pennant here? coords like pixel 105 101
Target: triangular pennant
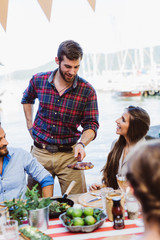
pixel 46 6
pixel 3 13
pixel 92 4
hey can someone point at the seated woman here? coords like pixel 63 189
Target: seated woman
pixel 132 127
pixel 144 177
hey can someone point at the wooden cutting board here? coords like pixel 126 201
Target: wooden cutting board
pixel 82 199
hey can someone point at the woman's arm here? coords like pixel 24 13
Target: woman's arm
pixel 96 186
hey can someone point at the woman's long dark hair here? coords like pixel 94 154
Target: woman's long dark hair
pixel 139 123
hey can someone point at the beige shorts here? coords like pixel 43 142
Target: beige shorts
pixel 56 164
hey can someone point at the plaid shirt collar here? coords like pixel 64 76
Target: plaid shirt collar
pixel 50 79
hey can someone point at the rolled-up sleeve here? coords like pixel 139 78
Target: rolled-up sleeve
pixel 91 114
pixel 47 181
pixel 30 94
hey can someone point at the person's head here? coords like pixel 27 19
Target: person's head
pixel 133 124
pixel 68 58
pixel 3 143
pixel 144 176
pixel 70 49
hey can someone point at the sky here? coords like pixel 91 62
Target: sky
pixel 31 40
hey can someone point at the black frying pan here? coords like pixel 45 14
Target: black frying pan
pixel 62 199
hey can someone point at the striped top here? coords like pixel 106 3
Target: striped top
pixel 58 117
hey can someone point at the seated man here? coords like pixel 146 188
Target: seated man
pixel 15 163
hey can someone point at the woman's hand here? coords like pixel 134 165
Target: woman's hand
pixel 95 186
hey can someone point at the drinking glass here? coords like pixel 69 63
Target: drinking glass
pixel 104 192
pixel 132 207
pixel 3 217
pixel 2 237
pixel 134 210
pixel 123 184
pixel 10 230
pixel 3 214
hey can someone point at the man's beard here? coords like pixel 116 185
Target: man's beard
pixel 3 153
pixel 63 76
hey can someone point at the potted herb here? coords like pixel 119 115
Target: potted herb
pixel 34 209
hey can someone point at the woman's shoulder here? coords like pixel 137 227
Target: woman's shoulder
pixel 142 140
pixel 113 143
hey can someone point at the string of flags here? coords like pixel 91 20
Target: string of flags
pixel 46 6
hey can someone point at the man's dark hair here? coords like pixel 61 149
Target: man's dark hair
pixel 72 50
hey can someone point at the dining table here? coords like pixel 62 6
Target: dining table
pixel 133 229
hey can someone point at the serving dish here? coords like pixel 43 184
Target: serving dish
pixel 63 199
pixel 86 229
pixel 53 214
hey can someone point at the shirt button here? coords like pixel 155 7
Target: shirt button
pixel 51 136
pixel 53 125
pixel 55 113
pixel 2 179
pixel 4 190
pixel 58 100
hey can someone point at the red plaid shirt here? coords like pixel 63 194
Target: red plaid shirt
pixel 58 117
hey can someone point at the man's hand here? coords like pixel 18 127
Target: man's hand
pixel 86 138
pixel 28 111
pixel 79 152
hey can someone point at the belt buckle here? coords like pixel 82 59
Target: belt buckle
pixel 52 148
pixel 63 148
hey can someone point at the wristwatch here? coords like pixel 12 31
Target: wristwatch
pixel 81 144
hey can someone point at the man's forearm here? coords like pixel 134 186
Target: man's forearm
pixel 87 136
pixel 28 111
pixel 47 191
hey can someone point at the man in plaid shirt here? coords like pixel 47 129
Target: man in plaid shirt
pixel 66 101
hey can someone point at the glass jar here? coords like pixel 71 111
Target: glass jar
pixel 132 207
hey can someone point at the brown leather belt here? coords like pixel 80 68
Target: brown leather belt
pixel 53 148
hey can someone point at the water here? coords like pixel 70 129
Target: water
pixel 110 108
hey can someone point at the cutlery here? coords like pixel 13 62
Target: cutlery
pixel 94 199
pixel 95 194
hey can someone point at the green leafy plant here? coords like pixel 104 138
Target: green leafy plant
pixel 18 209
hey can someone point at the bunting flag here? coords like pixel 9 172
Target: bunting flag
pixel 46 6
pixel 3 13
pixel 92 4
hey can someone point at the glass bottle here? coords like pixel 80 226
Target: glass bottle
pixel 117 212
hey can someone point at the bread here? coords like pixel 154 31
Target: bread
pixel 29 231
